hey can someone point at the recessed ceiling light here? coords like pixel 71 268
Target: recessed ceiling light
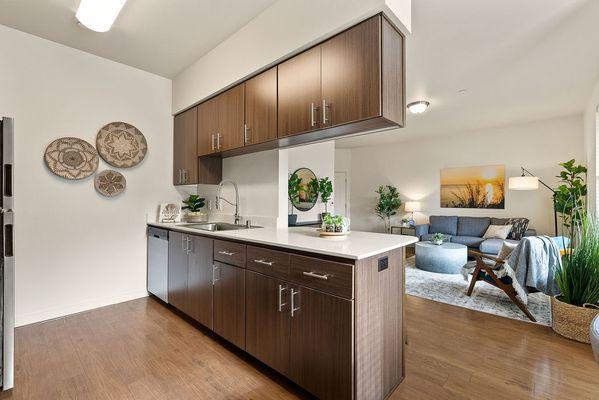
pixel 418 107
pixel 99 15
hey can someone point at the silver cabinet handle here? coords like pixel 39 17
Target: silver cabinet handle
pixel 183 243
pixel 184 176
pixel 218 141
pixel 324 112
pixel 312 116
pixel 189 245
pixel 212 142
pixel 214 273
pixel 226 253
pixel 281 304
pixel 245 133
pixel 293 307
pixel 269 263
pixel 315 275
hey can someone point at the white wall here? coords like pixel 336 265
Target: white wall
pixel 76 250
pixel 343 164
pixel 414 168
pixel 284 28
pixel 318 157
pixel 591 129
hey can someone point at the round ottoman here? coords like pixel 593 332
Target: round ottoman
pixel 595 337
pixel 447 258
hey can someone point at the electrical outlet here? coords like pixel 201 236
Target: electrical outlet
pixel 383 263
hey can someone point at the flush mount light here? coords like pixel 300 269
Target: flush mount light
pixel 99 15
pixel 418 107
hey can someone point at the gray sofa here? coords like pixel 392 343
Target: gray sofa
pixel 468 231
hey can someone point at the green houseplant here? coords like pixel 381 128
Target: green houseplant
pixel 388 203
pixel 194 204
pixel 438 238
pixel 293 191
pixel 325 189
pixel 577 277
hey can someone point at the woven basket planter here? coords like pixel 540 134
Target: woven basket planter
pixel 571 321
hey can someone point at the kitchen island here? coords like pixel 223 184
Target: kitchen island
pixel 325 312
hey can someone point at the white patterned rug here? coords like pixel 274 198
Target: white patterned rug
pixel 451 289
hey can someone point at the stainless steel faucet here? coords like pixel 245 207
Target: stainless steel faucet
pixel 219 198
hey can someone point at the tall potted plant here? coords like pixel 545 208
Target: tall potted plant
pixel 388 204
pixel 325 188
pixel 577 277
pixel 293 191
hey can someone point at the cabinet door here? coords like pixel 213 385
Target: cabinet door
pixel 321 343
pixel 177 270
pixel 299 93
pixel 199 284
pixel 185 166
pixel 351 74
pixel 230 119
pixel 261 107
pixel 229 303
pixel 267 320
pixel 207 127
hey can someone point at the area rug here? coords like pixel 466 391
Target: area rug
pixel 451 289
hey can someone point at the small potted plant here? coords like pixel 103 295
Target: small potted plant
pixel 328 223
pixel 405 222
pixel 325 188
pixel 336 223
pixel 339 223
pixel 293 191
pixel 438 239
pixel 194 204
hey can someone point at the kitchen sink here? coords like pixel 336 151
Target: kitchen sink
pixel 217 226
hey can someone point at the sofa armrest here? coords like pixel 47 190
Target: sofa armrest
pixel 421 230
pixel 530 232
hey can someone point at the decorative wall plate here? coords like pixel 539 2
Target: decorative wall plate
pixel 71 158
pixel 121 144
pixel 110 183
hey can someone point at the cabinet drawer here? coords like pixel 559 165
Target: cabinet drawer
pixel 229 253
pixel 268 262
pixel 328 276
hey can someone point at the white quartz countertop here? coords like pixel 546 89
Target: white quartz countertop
pixel 357 245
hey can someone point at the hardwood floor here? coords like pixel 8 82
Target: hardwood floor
pixel 142 350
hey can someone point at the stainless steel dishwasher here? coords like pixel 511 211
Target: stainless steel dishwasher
pixel 158 262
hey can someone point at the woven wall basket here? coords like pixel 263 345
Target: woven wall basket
pixel 571 321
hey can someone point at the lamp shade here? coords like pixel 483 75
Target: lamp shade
pixel 523 183
pixel 412 206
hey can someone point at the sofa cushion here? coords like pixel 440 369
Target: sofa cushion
pixel 470 241
pixel 499 221
pixel 443 224
pixel 429 236
pixel 473 226
pixel 519 226
pixel 492 246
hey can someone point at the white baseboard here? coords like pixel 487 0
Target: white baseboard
pixel 57 312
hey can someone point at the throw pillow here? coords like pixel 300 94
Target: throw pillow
pixel 519 226
pixel 497 232
pixel 506 250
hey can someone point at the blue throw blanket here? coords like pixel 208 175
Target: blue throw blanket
pixel 534 262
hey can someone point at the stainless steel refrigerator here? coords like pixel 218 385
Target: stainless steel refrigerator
pixel 7 259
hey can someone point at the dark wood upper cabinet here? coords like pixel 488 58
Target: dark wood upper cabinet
pixel 177 270
pixel 299 93
pixel 207 127
pixel 199 281
pixel 267 320
pixel 185 165
pixel 321 343
pixel 230 119
pixel 261 107
pixel 351 75
pixel 229 303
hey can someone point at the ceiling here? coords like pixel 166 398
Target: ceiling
pixel 159 36
pixel 519 61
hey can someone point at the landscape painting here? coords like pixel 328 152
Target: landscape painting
pixel 473 187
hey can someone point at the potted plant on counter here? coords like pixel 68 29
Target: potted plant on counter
pixel 387 205
pixel 325 188
pixel 194 204
pixel 293 191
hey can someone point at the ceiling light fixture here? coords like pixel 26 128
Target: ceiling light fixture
pixel 418 107
pixel 99 15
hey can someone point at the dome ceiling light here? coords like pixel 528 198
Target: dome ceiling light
pixel 99 15
pixel 418 107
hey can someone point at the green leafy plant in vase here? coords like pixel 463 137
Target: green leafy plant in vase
pixel 293 192
pixel 335 223
pixel 438 239
pixel 388 203
pixel 193 205
pixel 325 189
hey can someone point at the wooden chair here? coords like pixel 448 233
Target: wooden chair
pixel 486 272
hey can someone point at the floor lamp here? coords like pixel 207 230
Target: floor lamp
pixel 531 182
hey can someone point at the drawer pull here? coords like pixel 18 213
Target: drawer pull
pixel 315 275
pixel 226 253
pixel 263 262
pixel 294 309
pixel 281 304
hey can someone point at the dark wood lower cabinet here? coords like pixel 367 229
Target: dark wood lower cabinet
pixel 321 343
pixel 199 280
pixel 229 303
pixel 177 270
pixel 267 320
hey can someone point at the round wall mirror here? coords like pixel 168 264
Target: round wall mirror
pixel 307 189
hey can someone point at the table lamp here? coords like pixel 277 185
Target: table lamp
pixel 411 207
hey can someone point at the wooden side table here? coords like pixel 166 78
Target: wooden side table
pixel 409 231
